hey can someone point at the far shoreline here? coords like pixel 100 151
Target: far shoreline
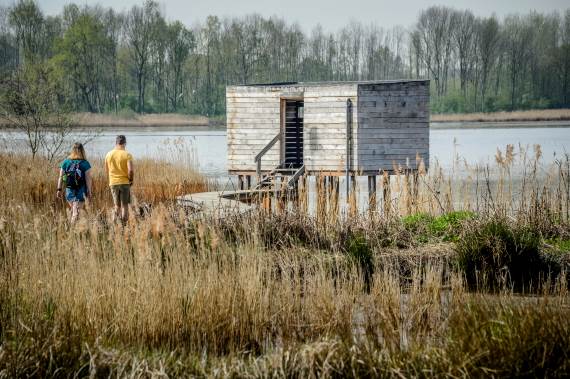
pixel 551 118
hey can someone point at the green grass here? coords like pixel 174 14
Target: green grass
pixel 560 245
pixel 446 227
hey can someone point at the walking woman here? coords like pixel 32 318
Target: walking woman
pixel 75 174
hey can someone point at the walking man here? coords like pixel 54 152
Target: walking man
pixel 120 171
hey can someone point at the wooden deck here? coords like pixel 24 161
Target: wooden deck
pixel 219 202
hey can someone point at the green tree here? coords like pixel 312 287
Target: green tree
pixel 181 43
pixel 81 54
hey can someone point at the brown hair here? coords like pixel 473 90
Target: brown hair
pixel 121 140
pixel 77 152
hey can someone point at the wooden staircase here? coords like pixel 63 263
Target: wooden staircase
pixel 280 177
pixel 289 171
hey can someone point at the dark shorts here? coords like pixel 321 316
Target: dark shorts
pixel 121 194
pixel 75 195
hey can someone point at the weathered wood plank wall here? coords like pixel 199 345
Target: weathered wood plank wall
pixel 393 125
pixel 390 124
pixel 325 126
pixel 253 119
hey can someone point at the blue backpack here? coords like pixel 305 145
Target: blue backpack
pixel 73 175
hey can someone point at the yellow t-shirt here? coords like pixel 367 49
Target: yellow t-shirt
pixel 116 161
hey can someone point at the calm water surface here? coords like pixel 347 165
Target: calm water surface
pixel 209 144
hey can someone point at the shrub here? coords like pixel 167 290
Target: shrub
pixel 494 253
pixel 358 249
pixel 449 225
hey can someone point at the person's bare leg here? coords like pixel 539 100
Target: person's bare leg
pixel 71 210
pixel 116 213
pixel 75 209
pixel 125 213
pixel 79 207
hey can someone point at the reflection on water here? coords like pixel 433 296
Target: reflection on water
pixel 210 148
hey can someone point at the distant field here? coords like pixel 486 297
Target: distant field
pixel 533 115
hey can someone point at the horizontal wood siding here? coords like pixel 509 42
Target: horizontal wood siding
pixel 325 126
pixel 253 119
pixel 393 125
pixel 390 124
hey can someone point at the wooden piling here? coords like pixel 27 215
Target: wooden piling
pixel 248 181
pixel 303 194
pixel 386 193
pixel 281 199
pixel 352 198
pixel 408 189
pixel 372 193
pixel 415 191
pixel 240 183
pixel 321 196
pixel 266 202
pixel 334 192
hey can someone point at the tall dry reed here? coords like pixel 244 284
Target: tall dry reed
pixel 286 293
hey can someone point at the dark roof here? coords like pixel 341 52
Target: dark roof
pixel 329 83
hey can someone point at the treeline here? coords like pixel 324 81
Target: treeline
pixel 138 61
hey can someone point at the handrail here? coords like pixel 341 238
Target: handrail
pixel 296 176
pixel 265 150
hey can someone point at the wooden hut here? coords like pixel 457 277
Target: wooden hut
pixel 330 128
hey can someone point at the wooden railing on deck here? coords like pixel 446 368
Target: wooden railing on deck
pixel 264 151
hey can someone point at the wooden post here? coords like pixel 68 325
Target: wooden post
pixel 248 181
pixel 352 198
pixel 267 202
pixel 416 191
pixel 303 194
pixel 386 193
pixel 372 193
pixel 321 196
pixel 281 194
pixel 336 195
pixel 294 198
pixel 240 183
pixel 408 192
pixel 332 195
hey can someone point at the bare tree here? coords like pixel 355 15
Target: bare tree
pixel 8 44
pixel 518 37
pixel 27 20
pixel 464 38
pixel 434 30
pixel 31 104
pixel 138 29
pixel 562 59
pixel 487 48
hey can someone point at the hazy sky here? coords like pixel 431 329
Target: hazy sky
pixel 331 14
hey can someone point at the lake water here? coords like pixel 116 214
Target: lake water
pixel 209 144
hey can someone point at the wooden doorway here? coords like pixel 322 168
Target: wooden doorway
pixel 292 114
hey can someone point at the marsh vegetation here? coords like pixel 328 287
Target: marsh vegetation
pixel 464 278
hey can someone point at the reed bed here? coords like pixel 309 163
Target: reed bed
pixel 428 288
pixel 530 115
